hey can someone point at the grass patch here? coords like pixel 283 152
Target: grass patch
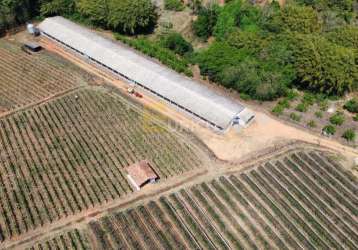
pixel 295 117
pixel 337 119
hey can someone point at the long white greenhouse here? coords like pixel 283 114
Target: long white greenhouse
pixel 191 96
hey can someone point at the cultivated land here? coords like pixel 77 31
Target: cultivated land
pixel 300 199
pixel 27 78
pixel 63 185
pixel 73 239
pixel 68 155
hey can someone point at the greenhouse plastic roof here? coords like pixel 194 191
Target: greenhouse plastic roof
pixel 181 90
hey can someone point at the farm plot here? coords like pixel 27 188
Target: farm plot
pixel 69 155
pixel 301 200
pixel 74 239
pixel 30 78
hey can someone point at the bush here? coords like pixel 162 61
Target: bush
pixel 311 124
pixel 329 130
pixel 285 103
pixel 309 99
pixel 352 105
pixel 337 119
pixel 323 105
pixel 349 135
pixel 278 110
pixel 245 97
pixel 295 117
pixel 176 42
pixel 292 95
pixel 318 114
pixel 355 118
pixel 176 5
pixel 302 107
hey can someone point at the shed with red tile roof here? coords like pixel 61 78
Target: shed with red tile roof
pixel 141 173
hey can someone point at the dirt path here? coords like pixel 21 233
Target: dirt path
pixel 233 146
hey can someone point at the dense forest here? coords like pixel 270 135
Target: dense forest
pixel 260 51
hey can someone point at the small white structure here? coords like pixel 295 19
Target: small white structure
pixel 32 29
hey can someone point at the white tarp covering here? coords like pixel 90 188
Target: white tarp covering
pixel 183 91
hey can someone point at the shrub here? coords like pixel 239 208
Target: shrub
pixel 355 118
pixel 337 119
pixel 285 103
pixel 278 110
pixel 318 114
pixel 176 5
pixel 352 105
pixel 292 95
pixel 295 117
pixel 349 135
pixel 309 99
pixel 323 105
pixel 175 42
pixel 311 124
pixel 329 130
pixel 302 107
pixel 245 97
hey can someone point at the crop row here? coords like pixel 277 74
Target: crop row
pixel 69 155
pixel 74 240
pixel 27 78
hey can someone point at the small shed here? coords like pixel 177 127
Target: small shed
pixel 141 173
pixel 34 47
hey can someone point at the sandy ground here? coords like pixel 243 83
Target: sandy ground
pixel 232 146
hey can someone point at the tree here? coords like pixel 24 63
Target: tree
pixel 125 16
pixel 97 11
pixel 324 66
pixel 346 36
pixel 175 42
pixel 132 16
pixel 57 7
pixel 15 12
pixel 204 25
pixel 228 19
pixel 296 18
